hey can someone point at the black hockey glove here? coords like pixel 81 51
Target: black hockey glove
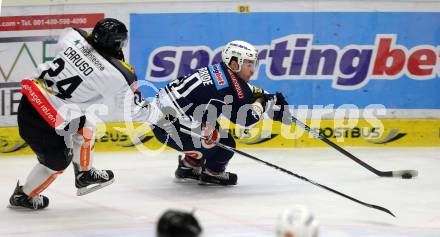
pixel 278 108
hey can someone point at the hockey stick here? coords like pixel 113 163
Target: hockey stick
pixel 405 174
pixel 191 133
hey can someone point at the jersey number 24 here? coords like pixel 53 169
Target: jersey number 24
pixel 65 86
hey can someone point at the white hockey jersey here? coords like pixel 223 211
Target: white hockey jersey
pixel 79 81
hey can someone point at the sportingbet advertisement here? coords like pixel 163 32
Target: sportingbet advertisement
pixel 314 58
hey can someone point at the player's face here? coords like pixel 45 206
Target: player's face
pixel 247 70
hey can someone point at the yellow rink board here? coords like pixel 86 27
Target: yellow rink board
pixel 266 134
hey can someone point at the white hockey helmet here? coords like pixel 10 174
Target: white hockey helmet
pixel 241 50
pixel 297 221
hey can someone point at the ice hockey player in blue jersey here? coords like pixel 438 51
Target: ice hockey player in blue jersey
pixel 196 101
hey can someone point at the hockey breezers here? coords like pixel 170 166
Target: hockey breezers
pixel 191 133
pixel 406 174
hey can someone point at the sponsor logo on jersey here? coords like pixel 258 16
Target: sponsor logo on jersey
pixel 236 84
pixel 218 76
pixel 89 53
pixel 41 104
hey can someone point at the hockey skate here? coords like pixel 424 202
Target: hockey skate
pixel 222 178
pixel 187 172
pixel 19 199
pixel 92 180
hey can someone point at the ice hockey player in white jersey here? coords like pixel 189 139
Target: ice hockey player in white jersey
pixel 53 114
pixel 199 99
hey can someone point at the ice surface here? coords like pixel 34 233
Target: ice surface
pixel 145 188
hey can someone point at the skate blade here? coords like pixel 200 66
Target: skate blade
pixel 185 180
pixel 208 184
pixel 87 190
pixel 23 209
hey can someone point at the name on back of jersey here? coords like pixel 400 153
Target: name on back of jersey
pixel 204 76
pixel 78 61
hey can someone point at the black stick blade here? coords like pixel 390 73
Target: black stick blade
pixel 382 209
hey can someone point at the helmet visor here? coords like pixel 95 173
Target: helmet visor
pixel 121 40
pixel 124 43
pixel 252 64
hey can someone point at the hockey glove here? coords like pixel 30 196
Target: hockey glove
pixel 210 133
pixel 257 93
pixel 279 107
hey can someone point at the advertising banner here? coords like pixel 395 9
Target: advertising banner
pixel 315 58
pixel 43 22
pixel 267 134
pixel 30 45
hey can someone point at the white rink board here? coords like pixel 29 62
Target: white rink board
pixel 144 188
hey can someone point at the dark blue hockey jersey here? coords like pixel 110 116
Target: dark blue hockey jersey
pixel 212 91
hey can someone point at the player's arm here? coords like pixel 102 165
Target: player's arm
pixel 121 91
pixel 275 105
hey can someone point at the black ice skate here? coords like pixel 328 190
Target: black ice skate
pixel 187 172
pixel 223 178
pixel 96 178
pixel 19 199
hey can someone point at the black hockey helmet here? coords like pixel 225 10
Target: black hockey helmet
pixel 109 33
pixel 175 223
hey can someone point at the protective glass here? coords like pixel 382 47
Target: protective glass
pixel 250 64
pixel 124 43
pixel 122 39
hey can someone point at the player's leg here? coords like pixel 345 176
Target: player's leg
pixel 190 165
pixel 87 178
pixel 37 181
pixel 52 153
pixel 216 161
pixel 211 159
